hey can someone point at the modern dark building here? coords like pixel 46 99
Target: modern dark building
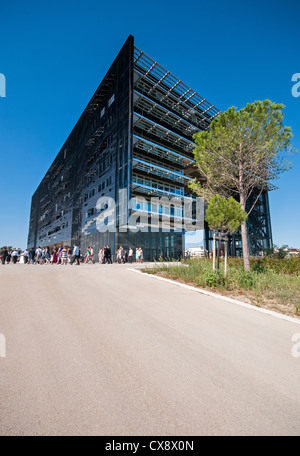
pixel 133 142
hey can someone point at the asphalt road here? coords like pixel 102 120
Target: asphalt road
pixel 102 350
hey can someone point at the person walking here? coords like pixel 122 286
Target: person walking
pixel 31 255
pixel 76 254
pixel 25 256
pixel 86 256
pixel 14 256
pixel 100 255
pixel 64 256
pixel 92 256
pixel 130 255
pixel 47 255
pixel 38 254
pixel 119 255
pixel 107 255
pixel 54 257
pixel 59 254
pixel 43 255
pixel 4 255
pixel 123 254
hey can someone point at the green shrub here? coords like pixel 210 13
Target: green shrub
pixel 290 266
pixel 213 279
pixel 246 279
pixel 259 266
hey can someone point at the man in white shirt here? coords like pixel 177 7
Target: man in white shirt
pixel 14 256
pixel 38 254
pixel 25 256
pixel 76 254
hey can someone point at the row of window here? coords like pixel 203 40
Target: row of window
pixel 94 211
pixel 150 207
pixel 158 163
pixel 141 204
pixel 54 231
pixel 105 163
pixel 152 183
pixel 100 188
pixel 110 102
pixel 60 213
pixel 99 169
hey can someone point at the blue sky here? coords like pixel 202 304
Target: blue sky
pixel 55 54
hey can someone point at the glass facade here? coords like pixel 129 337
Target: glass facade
pixel 166 114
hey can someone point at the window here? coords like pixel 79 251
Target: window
pixel 111 100
pixel 102 112
pixel 90 212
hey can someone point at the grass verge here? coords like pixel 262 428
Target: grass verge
pixel 271 285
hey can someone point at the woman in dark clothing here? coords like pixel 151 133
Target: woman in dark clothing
pixel 4 254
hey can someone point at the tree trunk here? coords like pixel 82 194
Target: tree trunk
pixel 245 244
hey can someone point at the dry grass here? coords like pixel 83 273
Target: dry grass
pixel 263 287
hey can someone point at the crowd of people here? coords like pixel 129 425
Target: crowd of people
pixel 67 255
pixel 9 256
pixel 124 256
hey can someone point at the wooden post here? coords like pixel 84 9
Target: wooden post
pixel 214 251
pixel 225 259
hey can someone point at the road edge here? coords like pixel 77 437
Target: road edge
pixel 216 295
